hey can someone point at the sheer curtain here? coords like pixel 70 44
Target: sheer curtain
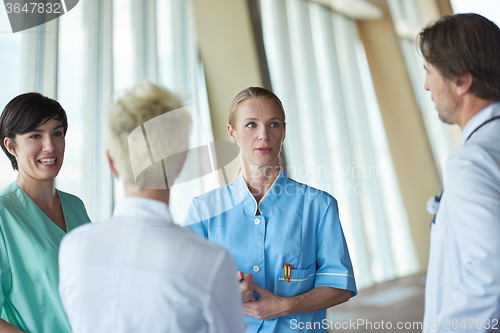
pixel 335 136
pixel 82 59
pixel 29 63
pixel 11 67
pixel 408 24
pixel 181 70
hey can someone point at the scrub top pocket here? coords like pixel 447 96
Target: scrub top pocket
pixel 301 281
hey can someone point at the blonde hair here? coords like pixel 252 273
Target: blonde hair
pixel 135 107
pixel 249 93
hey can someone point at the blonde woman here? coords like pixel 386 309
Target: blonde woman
pixel 285 237
pixel 138 271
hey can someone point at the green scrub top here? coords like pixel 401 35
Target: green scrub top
pixel 29 273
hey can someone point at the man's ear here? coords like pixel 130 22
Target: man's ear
pixel 464 82
pixel 230 132
pixel 111 165
pixel 10 146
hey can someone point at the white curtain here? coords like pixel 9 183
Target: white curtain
pixel 81 59
pixel 335 136
pixel 408 24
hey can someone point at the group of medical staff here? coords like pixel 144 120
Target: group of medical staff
pixel 266 257
pixel 290 256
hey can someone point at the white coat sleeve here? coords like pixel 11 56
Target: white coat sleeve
pixel 225 310
pixel 473 188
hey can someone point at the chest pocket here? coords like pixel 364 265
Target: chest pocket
pixel 301 281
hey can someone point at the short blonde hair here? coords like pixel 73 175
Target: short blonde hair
pixel 131 110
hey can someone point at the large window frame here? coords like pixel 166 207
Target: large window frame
pixel 87 55
pixel 318 68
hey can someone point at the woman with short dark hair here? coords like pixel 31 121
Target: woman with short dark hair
pixel 34 215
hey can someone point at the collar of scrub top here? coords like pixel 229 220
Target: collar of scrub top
pixel 143 211
pixel 483 117
pixel 268 200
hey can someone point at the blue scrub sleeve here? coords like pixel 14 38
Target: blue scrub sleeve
pixel 193 221
pixel 225 302
pixel 334 267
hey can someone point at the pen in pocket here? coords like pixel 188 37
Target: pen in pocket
pixel 287 271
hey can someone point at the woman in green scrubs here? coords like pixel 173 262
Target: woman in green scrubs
pixel 34 215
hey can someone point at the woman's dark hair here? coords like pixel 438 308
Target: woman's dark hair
pixel 465 43
pixel 25 113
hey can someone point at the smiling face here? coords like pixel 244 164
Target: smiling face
pixel 443 92
pixel 39 153
pixel 259 131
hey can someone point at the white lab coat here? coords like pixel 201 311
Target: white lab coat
pixel 139 272
pixel 463 279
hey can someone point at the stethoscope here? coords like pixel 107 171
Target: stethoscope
pixel 433 202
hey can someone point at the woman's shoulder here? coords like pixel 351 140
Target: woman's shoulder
pixel 9 189
pixel 8 194
pixel 71 199
pixel 215 194
pixel 309 192
pixel 215 202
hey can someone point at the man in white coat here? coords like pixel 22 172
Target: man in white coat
pixel 462 60
pixel 137 271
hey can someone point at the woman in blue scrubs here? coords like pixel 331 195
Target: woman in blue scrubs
pixel 284 236
pixel 34 215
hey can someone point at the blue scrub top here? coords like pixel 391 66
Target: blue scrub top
pixel 298 225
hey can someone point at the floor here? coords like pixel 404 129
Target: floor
pixel 396 306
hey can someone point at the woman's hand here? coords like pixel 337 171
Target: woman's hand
pixel 246 286
pixel 268 306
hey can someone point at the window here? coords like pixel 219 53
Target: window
pixel 408 25
pixel 335 136
pixel 487 8
pixel 81 59
pixel 11 67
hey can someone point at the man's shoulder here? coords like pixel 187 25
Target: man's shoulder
pixel 485 150
pixel 484 135
pixel 474 165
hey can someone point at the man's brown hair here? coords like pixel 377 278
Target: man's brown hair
pixel 465 43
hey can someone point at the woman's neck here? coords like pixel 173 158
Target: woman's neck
pixel 43 193
pixel 259 178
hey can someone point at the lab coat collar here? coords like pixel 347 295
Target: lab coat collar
pixel 492 110
pixel 143 210
pixel 268 200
